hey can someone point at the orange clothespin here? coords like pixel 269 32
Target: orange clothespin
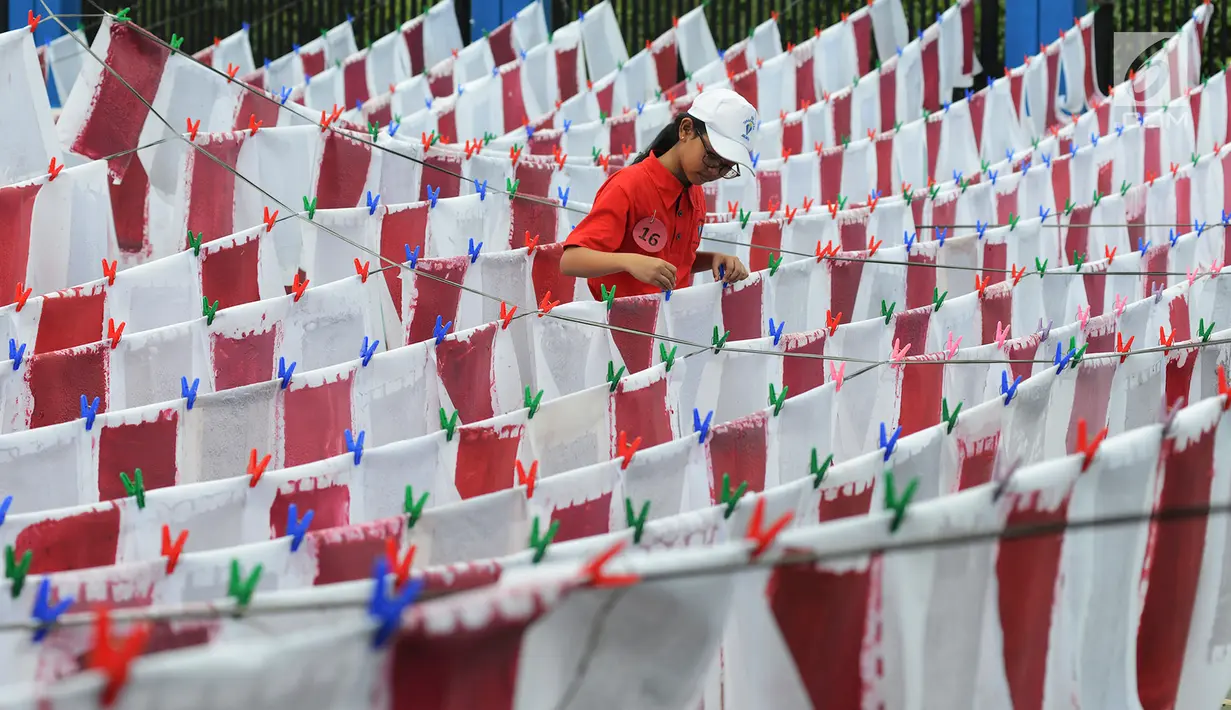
pixel 626 450
pixel 109 271
pixel 114 333
pixel 170 550
pixel 1088 448
pixel 873 245
pixel 506 314
pixel 764 538
pixel 832 322
pixel 362 270
pixel 232 70
pixel 400 565
pixel 194 127
pixel 531 244
pixel 594 571
pixel 114 659
pixel 527 478
pixel 256 470
pixel 298 286
pixel 547 304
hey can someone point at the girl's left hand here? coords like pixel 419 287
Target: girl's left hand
pixel 731 267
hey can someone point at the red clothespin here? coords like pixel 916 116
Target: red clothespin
pixel 1123 347
pixel 114 659
pixel 170 550
pixel 527 478
pixel 531 244
pixel 561 156
pixel 506 315
pixel 589 85
pixel 604 161
pixel 773 207
pixel 872 200
pixel 733 208
pixel 335 114
pixel 1165 340
pixel 626 149
pixel 270 219
pixel 846 16
pixel 833 209
pixel 1175 167
pixel 1017 275
pixel 829 250
pixel 232 70
pixel 1150 175
pixel 515 153
pixel 873 245
pixel 1055 132
pixel 109 271
pixel 832 322
pixel 1088 448
pixel 981 284
pixel 393 89
pixel 759 61
pixel 22 294
pixel 773 15
pixel 547 304
pixel 790 214
pixel 399 564
pixel 113 333
pixel 217 41
pixel 648 44
pixel 786 153
pixel 807 205
pixel 298 286
pixel 455 54
pixel 816 31
pixel 790 47
pixel 53 170
pixel 325 121
pixel 256 470
pixel 625 450
pixel 32 20
pixel 1109 253
pixel 1223 390
pixel 700 87
pixel 362 270
pixel 194 127
pixel 906 188
pixel 594 574
pixel 253 124
pixel 764 538
pixel 675 22
pixel 818 147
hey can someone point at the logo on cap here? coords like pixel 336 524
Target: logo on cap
pixel 750 125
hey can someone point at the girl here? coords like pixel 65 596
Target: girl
pixel 642 233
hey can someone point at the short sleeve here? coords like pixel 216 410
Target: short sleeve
pixel 603 229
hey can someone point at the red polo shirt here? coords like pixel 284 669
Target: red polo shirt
pixel 643 209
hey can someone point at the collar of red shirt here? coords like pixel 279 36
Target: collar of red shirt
pixel 668 185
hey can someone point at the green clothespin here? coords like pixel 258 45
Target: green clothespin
pixel 667 357
pixel 1068 206
pixel 887 310
pixel 532 402
pixel 619 66
pixel 1098 196
pixel 1195 158
pixel 841 202
pixel 602 117
pixel 448 423
pixel 855 81
pixel 1203 332
pixel 550 34
pixel 484 34
pixel 909 197
pixel 729 498
pixel 949 417
pixel 1124 187
pixel 337 63
pixel 122 15
pixel 374 130
pixel 412 508
pixel 1013 219
pixel 1078 353
pixel 897 126
pixel 432 138
pixel 636 522
pixel 397 118
pixel 195 241
pixel 1034 142
pixel 241 589
pixel 776 401
pixel 16 571
pixel 894 502
pixel 718 342
pixel 309 206
pixel 608 296
pixel 846 141
pixel 208 310
pixel 984 165
pixel 818 472
pixel 324 33
pixel 539 544
pixel 613 375
pixel 134 486
pixel 775 260
pixel 938 298
pixel 1078 259
pixel 658 93
pixel 595 153
pixel 511 185
pixel 744 217
pixel 963 183
pixel 176 41
pixel 1041 266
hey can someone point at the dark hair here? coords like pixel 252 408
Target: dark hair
pixel 669 136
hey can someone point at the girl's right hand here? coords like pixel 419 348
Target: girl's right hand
pixel 651 270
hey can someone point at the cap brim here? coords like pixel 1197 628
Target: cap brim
pixel 730 149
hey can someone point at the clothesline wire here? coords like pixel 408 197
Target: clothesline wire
pixel 292 214
pixel 556 205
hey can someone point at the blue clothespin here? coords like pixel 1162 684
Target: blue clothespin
pixel 393 128
pixel 522 52
pixel 993 174
pixel 481 188
pixel 295 47
pixel 189 393
pixel 387 610
pixel 946 106
pixel 16 353
pixel 373 201
pixel 1094 139
pixel 460 89
pixel 667 295
pixel 1119 129
pixel 286 94
pixel 350 18
pixel 473 250
pixel 428 102
pixel 1142 244
pixel 722 274
pixel 755 157
pixel 358 104
pixel 900 47
pixel 957 176
pixel 297 527
pixel 909 238
pixel 354 444
pixel 1044 212
pixel 1008 154
pixel 941 234
pixel 991 80
pixel 1026 165
pixel 1170 237
pixel 777 333
pixel 640 106
pixel 876 194
pixel 1045 332
pixel 1158 292
pixel 920 37
pixel 968 94
pixel 441 329
pixel 366 351
pixel 432 194
pixel 266 63
pixel 1141 119
pixel 562 193
pixel 568 123
pixel 412 257
pixel 1225 218
pixel 4 508
pixel 529 131
pixel 1062 362
pixel 702 426
pixel 1198 227
pixel 980 227
pixel 581 15
pixel 246 26
pixel 88 411
pixel 284 372
pixel 722 54
pixel 891 442
pixel 495 71
pixel 1046 159
pixel 44 613
pixel 938 19
pixel 1007 390
pixel 307 79
pixel 1072 149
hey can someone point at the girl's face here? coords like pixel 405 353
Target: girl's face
pixel 697 158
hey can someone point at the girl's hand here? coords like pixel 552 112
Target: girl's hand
pixel 651 270
pixel 732 269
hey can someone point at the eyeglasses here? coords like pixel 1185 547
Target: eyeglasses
pixel 726 169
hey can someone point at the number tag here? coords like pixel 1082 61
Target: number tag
pixel 651 235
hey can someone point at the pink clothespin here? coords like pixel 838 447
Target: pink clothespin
pixel 897 354
pixel 1216 267
pixel 1121 302
pixel 952 346
pixel 836 374
pixel 1083 316
pixel 1001 335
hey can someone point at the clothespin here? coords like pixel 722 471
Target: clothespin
pixel 473 250
pixel 188 393
pixel 298 286
pixel 777 401
pixel 134 486
pixel 21 295
pixel 886 311
pixel 613 376
pixel 667 357
pixel 952 345
pixel 296 527
pixel 399 564
pixel 114 658
pixel 626 450
pixel 441 329
pixel 506 315
pixel 170 550
pixel 1013 219
pixel 449 423
pixel 608 296
pixel 1223 390
pixel 807 205
pixel 1040 266
pixel 387 611
pixel 1203 332
pixel 284 372
pixel 44 613
pixel 775 260
pixel 531 403
pixel 1087 447
pixel 873 245
pixel 1143 245
pixel 699 426
pixel 109 271
pixel 1158 292
pixel 764 537
pixel 1062 361
pixel 1083 316
pixel 938 298
pixel 540 543
pixel 730 498
pixel 982 284
pixel 16 354
pixel 636 522
pixel 412 508
pixel 993 174
pixel 941 233
pixel 1123 347
pixel 16 571
pixel 354 444
pixel 832 321
pixel 547 304
pixel 240 588
pixel 256 469
pixel 829 250
pixel 1165 340
pixel 743 218
pixel 270 219
pixel 909 239
pixel 837 373
pixel 1007 390
pixel 717 341
pixel 889 443
pixel 114 333
pixel 412 257
pixel 89 410
pixel 362 270
pixel 777 333
pixel 527 479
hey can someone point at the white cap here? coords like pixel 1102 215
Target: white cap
pixel 730 122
